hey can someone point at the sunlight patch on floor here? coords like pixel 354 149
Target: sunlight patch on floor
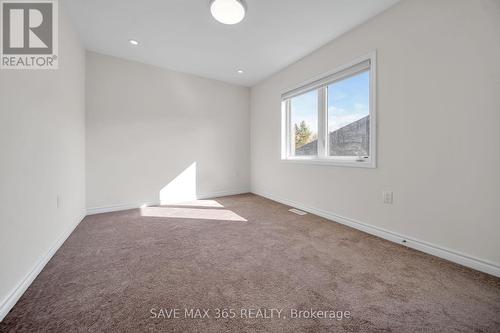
pixel 192 213
pixel 199 203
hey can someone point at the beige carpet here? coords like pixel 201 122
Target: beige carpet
pixel 117 270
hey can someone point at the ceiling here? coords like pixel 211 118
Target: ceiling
pixel 182 35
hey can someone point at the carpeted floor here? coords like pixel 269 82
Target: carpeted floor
pixel 126 271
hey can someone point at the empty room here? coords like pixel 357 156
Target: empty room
pixel 250 166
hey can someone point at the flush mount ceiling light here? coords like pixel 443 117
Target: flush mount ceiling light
pixel 240 71
pixel 133 42
pixel 228 11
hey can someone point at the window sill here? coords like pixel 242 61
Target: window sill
pixel 331 162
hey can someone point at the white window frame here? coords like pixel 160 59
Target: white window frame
pixel 320 83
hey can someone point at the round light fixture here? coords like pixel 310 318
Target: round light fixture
pixel 228 11
pixel 133 42
pixel 240 71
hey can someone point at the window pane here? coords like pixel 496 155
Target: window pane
pixel 349 116
pixel 304 124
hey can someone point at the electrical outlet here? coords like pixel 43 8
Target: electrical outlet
pixel 388 197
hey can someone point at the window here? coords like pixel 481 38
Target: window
pixel 331 120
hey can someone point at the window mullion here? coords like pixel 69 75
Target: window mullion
pixel 322 122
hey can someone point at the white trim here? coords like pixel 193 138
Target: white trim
pixel 8 302
pixel 322 139
pixel 370 164
pixel 219 194
pixel 120 207
pixel 435 250
pixel 373 109
pixel 285 146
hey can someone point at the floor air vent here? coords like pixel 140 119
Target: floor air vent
pixel 297 211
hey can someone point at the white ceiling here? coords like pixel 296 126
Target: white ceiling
pixel 182 35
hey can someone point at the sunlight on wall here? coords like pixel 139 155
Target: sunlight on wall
pixel 180 194
pixel 182 188
pixel 192 213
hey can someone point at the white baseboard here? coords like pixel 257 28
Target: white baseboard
pixel 8 303
pixel 438 251
pixel 118 207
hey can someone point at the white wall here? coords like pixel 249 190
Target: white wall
pixel 438 128
pixel 42 155
pixel 146 125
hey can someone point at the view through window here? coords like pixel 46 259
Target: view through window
pixel 349 116
pixel 304 116
pixel 331 120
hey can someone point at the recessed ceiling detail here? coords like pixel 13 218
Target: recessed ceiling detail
pixel 182 35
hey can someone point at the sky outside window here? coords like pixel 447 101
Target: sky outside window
pixel 348 100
